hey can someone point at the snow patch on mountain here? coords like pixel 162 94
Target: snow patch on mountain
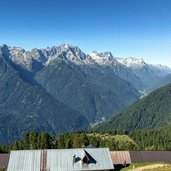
pixel 132 62
pixel 105 58
pixel 162 67
pixel 74 54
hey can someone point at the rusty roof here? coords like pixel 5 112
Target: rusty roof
pixel 4 160
pixel 150 156
pixel 120 157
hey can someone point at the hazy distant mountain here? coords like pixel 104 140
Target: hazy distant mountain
pixel 150 75
pixel 134 63
pixel 107 61
pixel 164 81
pixel 152 111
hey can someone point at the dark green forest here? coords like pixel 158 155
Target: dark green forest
pixel 152 111
pixel 154 139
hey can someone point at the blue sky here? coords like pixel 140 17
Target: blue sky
pixel 138 28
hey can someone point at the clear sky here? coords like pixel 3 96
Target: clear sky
pixel 138 28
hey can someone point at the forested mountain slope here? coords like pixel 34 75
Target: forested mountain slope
pixel 152 111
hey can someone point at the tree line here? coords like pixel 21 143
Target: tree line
pixel 35 140
pixel 153 139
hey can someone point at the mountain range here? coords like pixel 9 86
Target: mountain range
pixel 61 89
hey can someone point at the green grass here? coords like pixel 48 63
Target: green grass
pixel 3 169
pixel 136 165
pixel 163 168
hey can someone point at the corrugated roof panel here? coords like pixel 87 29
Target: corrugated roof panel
pixel 63 159
pixel 26 160
pixel 120 157
pixel 150 156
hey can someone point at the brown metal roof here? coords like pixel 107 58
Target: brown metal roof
pixel 43 160
pixel 120 157
pixel 150 156
pixel 4 160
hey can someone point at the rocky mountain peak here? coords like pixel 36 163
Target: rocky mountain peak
pixel 132 62
pixel 102 58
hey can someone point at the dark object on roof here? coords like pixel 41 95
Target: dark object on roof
pixel 90 158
